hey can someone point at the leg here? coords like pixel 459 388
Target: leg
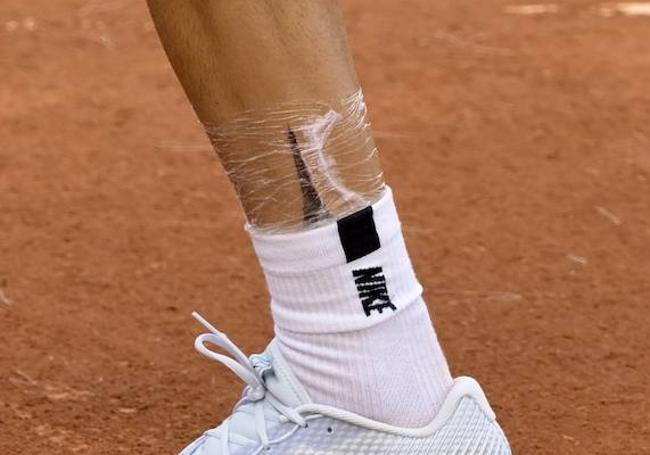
pixel 273 83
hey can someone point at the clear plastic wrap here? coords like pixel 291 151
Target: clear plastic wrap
pixel 300 164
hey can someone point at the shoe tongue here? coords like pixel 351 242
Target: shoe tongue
pixel 282 384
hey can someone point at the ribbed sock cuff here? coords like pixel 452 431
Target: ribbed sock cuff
pixel 348 275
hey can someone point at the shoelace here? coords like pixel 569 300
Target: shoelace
pixel 250 370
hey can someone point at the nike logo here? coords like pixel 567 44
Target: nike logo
pixel 371 286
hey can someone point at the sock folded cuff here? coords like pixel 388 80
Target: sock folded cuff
pixel 320 248
pixel 347 275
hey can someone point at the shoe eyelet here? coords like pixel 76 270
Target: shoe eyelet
pixel 330 430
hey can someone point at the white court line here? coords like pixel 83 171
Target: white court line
pixel 627 9
pixel 532 10
pixel 605 9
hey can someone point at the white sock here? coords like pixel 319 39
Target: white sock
pixel 350 318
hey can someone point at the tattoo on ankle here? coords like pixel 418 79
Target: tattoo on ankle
pixel 312 205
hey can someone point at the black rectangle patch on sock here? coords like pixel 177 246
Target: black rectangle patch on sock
pixel 358 234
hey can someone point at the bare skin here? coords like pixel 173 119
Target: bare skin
pixel 260 74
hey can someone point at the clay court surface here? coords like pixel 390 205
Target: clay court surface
pixel 518 144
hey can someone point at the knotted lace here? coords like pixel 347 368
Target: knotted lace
pixel 251 370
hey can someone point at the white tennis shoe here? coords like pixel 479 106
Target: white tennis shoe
pixel 275 415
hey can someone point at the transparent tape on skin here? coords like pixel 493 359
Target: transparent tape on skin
pixel 300 164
